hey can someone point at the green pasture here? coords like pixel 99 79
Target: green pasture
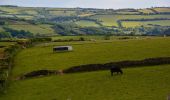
pixel 162 9
pixel 145 23
pixel 41 29
pixel 42 56
pixel 86 14
pixel 127 12
pixel 19 10
pixel 30 11
pixel 7 15
pixel 145 83
pixel 27 17
pixel 62 12
pixel 146 11
pixel 10 10
pixel 111 20
pixel 84 23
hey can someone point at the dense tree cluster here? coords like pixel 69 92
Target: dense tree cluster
pixel 19 33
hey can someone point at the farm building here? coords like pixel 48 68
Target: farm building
pixel 62 48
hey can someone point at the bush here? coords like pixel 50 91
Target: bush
pixel 123 64
pixel 41 39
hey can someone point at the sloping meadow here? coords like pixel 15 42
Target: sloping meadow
pixel 42 57
pixel 144 83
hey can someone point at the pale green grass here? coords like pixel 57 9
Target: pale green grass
pixel 6 15
pixel 31 11
pixel 146 11
pixel 146 83
pixel 162 9
pixel 10 10
pixel 145 23
pixel 25 17
pixel 19 10
pixel 62 13
pixel 111 20
pixel 84 23
pixel 42 57
pixel 126 12
pixel 41 29
pixel 85 14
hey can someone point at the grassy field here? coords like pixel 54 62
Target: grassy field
pixel 41 29
pixel 62 13
pixel 162 9
pixel 126 12
pixel 7 15
pixel 84 23
pixel 19 10
pixel 42 56
pixel 145 23
pixel 10 10
pixel 27 17
pixel 146 83
pixel 111 20
pixel 30 11
pixel 146 11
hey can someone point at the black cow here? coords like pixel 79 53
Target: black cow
pixel 2 83
pixel 116 69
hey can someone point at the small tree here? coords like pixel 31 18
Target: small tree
pixel 107 37
pixel 82 39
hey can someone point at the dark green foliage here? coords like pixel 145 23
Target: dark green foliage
pixel 123 64
pixel 44 39
pixel 66 29
pixel 167 32
pixel 2 22
pixel 19 34
pixel 5 35
pixel 82 39
pixel 119 24
pixel 6 66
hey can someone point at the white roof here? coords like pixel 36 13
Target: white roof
pixel 61 46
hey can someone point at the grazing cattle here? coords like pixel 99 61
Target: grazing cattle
pixel 116 69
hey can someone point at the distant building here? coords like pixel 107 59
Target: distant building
pixel 62 48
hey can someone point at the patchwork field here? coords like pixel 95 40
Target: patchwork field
pixel 42 56
pixel 111 20
pixel 139 83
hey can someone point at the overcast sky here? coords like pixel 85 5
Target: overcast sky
pixel 89 3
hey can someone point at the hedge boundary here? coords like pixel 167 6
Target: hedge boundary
pixel 97 67
pixel 122 64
